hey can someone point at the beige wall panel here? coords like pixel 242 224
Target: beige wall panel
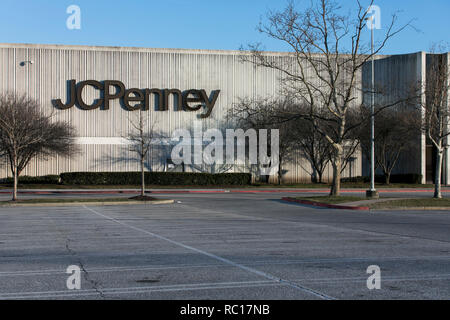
pixel 46 79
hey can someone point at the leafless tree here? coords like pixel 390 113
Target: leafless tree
pixel 26 132
pixel 318 149
pixel 325 67
pixel 435 109
pixel 395 131
pixel 314 147
pixel 295 133
pixel 140 139
pixel 263 114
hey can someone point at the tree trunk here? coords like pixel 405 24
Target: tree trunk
pixel 142 177
pixel 437 178
pixel 387 177
pixel 280 172
pixel 319 173
pixel 337 165
pixel 14 198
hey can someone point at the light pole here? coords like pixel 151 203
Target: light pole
pixel 372 192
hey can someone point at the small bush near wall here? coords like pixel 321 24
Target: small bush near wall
pixel 49 179
pixel 355 179
pixel 155 178
pixel 406 178
pixel 395 178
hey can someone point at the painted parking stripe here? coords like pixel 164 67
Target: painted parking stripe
pixel 208 286
pixel 224 260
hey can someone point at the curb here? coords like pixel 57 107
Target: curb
pixel 414 209
pixel 325 205
pixel 90 203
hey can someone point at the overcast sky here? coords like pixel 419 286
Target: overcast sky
pixel 195 24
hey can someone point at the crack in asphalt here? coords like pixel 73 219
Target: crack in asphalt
pixel 95 284
pixel 219 258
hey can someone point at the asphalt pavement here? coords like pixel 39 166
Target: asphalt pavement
pixel 222 246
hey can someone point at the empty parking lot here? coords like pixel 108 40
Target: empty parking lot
pixel 222 246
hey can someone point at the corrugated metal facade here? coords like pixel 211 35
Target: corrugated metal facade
pixel 46 79
pixel 396 76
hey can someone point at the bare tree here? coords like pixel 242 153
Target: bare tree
pixel 295 133
pixel 140 143
pixel 435 110
pixel 286 146
pixel 263 114
pixel 395 131
pixel 25 132
pixel 314 147
pixel 322 73
pixel 317 147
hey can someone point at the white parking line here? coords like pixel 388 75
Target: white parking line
pixel 252 263
pixel 134 290
pixel 204 286
pixel 224 260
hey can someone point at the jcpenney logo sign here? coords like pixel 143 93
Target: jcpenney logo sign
pixel 138 99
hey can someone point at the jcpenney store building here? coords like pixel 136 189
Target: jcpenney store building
pixel 160 81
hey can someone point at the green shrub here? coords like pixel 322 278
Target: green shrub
pixel 354 179
pixel 405 178
pixel 155 178
pixel 48 179
pixel 395 178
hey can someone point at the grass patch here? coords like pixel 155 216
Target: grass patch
pixel 416 202
pixel 143 198
pixel 75 200
pixel 331 199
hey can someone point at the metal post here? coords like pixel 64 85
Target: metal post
pixel 372 193
pixel 372 125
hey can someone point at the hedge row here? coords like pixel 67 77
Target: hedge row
pixel 49 179
pixel 395 178
pixel 155 178
pixel 175 178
